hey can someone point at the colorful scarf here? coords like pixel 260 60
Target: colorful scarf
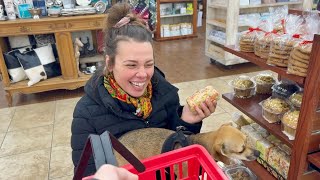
pixel 142 104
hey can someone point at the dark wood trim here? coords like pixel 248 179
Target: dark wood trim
pixel 308 113
pixel 314 159
pixel 175 37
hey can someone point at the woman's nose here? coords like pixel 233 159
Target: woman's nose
pixel 142 72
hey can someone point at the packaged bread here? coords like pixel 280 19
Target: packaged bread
pixel 264 83
pixel 243 86
pixel 273 109
pixel 296 99
pixel 252 139
pixel 247 130
pixel 284 166
pixel 263 146
pixel 274 140
pixel 201 95
pixel 289 123
pixel 239 120
pixel 274 157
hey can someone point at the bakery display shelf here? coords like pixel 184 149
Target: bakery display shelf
pixel 216 23
pixel 298 11
pixel 252 109
pixel 314 159
pixel 176 37
pixel 262 63
pixel 174 15
pixel 270 5
pixel 224 6
pixel 259 170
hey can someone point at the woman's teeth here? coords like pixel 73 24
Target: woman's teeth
pixel 137 84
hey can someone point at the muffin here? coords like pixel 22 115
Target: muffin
pixel 243 87
pixel 296 99
pixel 273 109
pixel 289 123
pixel 264 83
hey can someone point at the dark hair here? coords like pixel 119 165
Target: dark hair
pixel 136 30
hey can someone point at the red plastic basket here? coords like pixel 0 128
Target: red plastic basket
pixel 194 158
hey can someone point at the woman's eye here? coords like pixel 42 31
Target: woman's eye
pixel 131 65
pixel 149 65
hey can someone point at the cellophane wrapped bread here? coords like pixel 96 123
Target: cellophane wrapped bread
pixel 263 146
pixel 300 55
pixel 263 41
pixel 201 95
pixel 282 45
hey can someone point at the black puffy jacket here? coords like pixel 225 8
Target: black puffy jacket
pixel 97 112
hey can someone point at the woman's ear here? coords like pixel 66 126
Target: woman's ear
pixel 108 64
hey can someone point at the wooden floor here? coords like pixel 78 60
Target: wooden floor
pixel 180 60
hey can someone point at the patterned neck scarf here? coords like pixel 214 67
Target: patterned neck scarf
pixel 142 104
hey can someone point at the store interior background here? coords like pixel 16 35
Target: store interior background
pixel 35 132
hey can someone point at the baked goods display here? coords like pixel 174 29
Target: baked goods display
pixel 246 42
pixel 264 83
pixel 243 87
pixel 262 46
pixel 273 109
pixel 289 123
pixel 280 52
pixel 299 60
pixel 201 95
pixel 296 99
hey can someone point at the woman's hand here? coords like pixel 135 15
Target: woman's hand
pixel 108 171
pixel 204 110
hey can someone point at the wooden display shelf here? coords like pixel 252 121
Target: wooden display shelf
pixel 216 23
pixel 262 63
pixel 174 15
pixel 258 170
pixel 252 109
pixel 224 6
pixel 174 1
pixel 176 37
pixel 314 159
pixel 270 5
pixel 49 84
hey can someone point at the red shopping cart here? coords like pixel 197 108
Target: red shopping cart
pixel 188 163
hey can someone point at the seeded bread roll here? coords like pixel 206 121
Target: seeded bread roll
pixel 201 95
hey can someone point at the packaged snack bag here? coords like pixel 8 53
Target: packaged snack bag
pixel 282 45
pixel 247 38
pixel 299 57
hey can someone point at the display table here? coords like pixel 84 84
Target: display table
pixel 62 28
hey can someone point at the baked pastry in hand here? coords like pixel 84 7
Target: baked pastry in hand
pixel 201 95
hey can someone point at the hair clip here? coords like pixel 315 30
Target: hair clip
pixel 122 22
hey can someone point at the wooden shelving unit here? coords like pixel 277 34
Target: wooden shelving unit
pixel 175 19
pixel 223 15
pixel 307 138
pixel 62 27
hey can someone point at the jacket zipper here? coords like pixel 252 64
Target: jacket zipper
pixel 147 123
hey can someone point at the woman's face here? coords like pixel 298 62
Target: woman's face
pixel 134 66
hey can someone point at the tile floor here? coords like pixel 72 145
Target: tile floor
pixel 35 139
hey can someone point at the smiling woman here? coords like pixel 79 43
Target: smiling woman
pixel 131 93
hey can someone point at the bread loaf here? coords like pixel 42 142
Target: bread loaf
pixel 201 95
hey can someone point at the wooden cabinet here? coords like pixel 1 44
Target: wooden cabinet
pixel 176 19
pixel 307 137
pixel 223 16
pixel 62 28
